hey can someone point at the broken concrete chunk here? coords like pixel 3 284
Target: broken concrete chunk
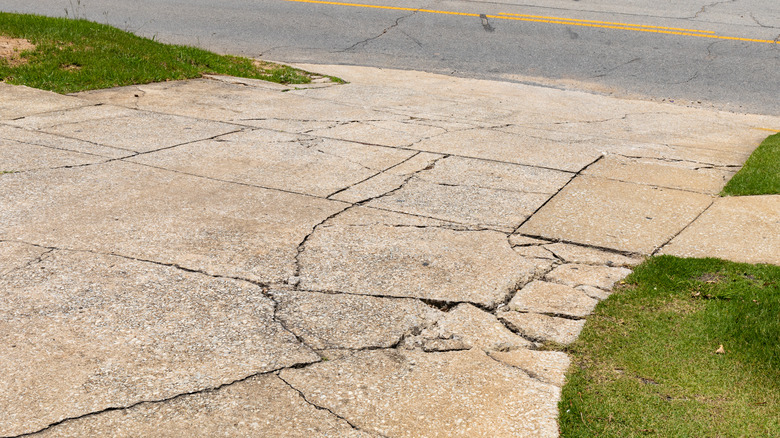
pixel 603 277
pixel 558 299
pixel 542 327
pixel 259 406
pixel 328 321
pixel 594 292
pixel 591 256
pixel 547 366
pixel 403 393
pixel 476 328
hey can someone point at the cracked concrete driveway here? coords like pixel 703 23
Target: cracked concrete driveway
pixel 382 258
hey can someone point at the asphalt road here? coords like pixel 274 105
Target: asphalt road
pixel 721 54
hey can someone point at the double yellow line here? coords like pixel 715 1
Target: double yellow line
pixel 559 20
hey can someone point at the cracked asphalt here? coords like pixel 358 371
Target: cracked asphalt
pixel 386 257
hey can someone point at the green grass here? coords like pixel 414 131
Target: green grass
pixel 761 173
pixel 645 364
pixel 78 55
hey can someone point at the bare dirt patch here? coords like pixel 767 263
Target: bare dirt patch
pixel 11 49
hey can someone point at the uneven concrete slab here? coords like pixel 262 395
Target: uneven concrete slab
pixel 574 274
pixel 123 128
pixel 547 366
pixel 675 175
pixel 278 160
pixel 742 229
pixel 410 394
pixel 410 261
pixel 20 101
pixel 551 298
pixel 344 321
pixel 617 215
pixel 259 406
pixel 590 256
pixel 152 214
pixel 83 332
pixel 541 328
pixel 475 328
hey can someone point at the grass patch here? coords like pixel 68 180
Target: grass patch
pixel 77 55
pixel 647 362
pixel 761 173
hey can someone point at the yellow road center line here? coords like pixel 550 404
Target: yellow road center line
pixel 605 22
pixel 768 129
pixel 582 23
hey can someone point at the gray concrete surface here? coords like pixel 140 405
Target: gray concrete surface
pixel 381 258
pixel 663 49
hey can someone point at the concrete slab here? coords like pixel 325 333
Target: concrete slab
pixel 383 132
pixel 543 328
pixel 674 175
pixel 742 229
pixel 345 321
pixel 617 215
pixel 603 277
pixel 547 366
pixel 510 148
pixel 259 406
pixel 122 128
pixel 410 394
pixel 475 328
pixel 278 160
pixel 152 214
pixel 412 261
pixel 58 143
pixel 83 332
pixel 550 298
pixel 19 101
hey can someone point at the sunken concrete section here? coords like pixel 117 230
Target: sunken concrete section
pixel 391 257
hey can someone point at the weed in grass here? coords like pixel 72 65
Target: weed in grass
pixel 648 360
pixel 78 55
pixel 761 173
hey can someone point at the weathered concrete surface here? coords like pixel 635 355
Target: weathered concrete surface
pixel 152 214
pixel 744 229
pixel 369 243
pixel 410 394
pixel 343 321
pixel 259 406
pixel 83 332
